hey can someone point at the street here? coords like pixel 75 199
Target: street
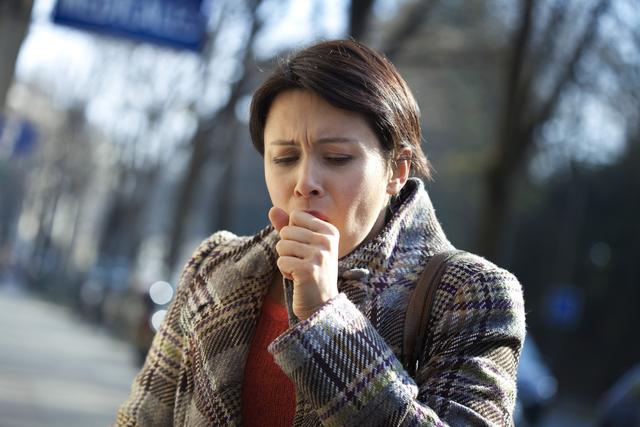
pixel 55 368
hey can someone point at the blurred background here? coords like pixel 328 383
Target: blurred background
pixel 124 143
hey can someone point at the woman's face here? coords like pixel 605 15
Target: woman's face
pixel 327 161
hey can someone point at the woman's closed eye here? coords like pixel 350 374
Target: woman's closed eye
pixel 332 159
pixel 338 159
pixel 284 160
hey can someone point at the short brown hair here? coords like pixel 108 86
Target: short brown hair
pixel 351 76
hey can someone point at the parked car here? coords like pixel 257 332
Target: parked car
pixel 621 404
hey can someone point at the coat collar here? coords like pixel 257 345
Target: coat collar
pixel 413 224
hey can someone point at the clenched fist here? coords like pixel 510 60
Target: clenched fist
pixel 307 255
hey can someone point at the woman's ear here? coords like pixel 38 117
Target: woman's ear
pixel 400 171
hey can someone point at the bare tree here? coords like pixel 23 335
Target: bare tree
pixel 210 138
pixel 526 108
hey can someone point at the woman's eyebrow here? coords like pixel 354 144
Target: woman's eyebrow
pixel 324 140
pixel 282 142
pixel 334 139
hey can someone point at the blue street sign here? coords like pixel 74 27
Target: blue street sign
pixel 180 24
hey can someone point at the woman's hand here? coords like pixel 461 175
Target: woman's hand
pixel 308 255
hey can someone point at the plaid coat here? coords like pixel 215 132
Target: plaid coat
pixel 344 359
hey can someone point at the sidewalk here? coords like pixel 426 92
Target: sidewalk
pixel 56 370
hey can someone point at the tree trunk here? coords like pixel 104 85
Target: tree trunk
pixel 14 21
pixel 359 18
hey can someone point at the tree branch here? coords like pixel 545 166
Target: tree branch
pixel 416 15
pixel 518 89
pixel 568 75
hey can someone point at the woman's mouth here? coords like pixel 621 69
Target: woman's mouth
pixel 318 215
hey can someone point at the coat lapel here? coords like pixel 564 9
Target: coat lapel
pixel 224 310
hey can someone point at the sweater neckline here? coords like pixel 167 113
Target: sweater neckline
pixel 272 309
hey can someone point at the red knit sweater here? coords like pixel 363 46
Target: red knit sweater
pixel 268 395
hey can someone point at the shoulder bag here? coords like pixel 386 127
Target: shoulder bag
pixel 419 308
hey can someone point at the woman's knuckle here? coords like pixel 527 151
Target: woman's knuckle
pixel 323 240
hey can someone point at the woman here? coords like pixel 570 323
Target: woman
pixel 302 324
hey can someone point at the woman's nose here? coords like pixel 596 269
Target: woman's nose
pixel 308 182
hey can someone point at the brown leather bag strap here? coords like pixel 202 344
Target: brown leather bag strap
pixel 419 308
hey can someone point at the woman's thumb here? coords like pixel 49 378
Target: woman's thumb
pixel 278 217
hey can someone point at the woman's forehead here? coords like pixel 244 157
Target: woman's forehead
pixel 296 112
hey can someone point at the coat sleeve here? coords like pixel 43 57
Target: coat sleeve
pixel 161 379
pixel 351 377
